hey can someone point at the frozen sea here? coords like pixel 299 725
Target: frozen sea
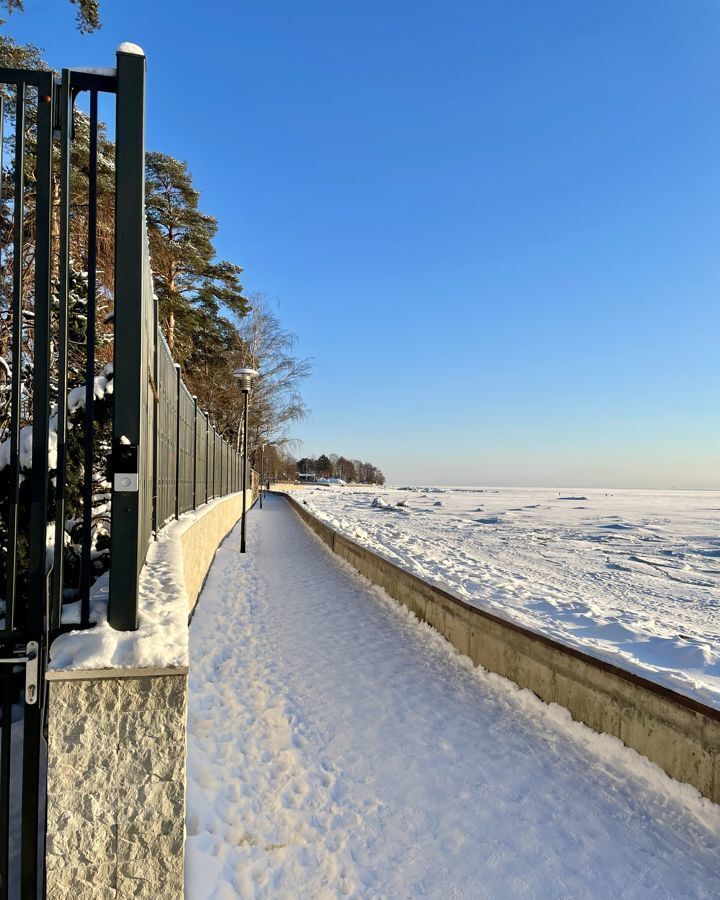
pixel 632 577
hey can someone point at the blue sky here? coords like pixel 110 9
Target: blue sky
pixel 493 225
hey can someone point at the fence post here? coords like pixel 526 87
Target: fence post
pixel 221 466
pixel 156 417
pixel 207 457
pixel 178 455
pixel 132 345
pixel 214 460
pixel 195 446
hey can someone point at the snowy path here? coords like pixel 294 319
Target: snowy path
pixel 340 748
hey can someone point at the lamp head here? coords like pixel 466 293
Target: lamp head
pixel 245 377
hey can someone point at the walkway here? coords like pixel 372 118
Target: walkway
pixel 340 748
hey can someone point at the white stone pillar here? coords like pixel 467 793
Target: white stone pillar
pixel 116 784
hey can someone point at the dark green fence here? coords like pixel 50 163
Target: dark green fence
pixel 167 457
pixel 59 400
pixel 188 453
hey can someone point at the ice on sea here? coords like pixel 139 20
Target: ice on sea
pixel 632 577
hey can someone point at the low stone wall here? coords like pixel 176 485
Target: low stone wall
pixel 677 733
pixel 202 538
pixel 117 737
pixel 116 784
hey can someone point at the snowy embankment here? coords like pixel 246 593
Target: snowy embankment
pixel 338 747
pixel 632 577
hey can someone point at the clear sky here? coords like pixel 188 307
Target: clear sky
pixel 495 226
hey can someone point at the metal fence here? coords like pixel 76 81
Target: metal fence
pixel 167 457
pixel 160 452
pixel 192 462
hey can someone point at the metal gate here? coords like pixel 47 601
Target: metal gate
pixel 164 455
pixel 37 108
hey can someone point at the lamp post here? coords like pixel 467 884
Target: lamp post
pixel 244 377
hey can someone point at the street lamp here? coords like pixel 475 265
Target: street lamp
pixel 244 377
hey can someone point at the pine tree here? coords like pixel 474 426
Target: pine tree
pixel 324 466
pixel 88 12
pixel 192 286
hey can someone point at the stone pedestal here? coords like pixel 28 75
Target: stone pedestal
pixel 116 784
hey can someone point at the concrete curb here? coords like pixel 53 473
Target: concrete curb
pixel 679 734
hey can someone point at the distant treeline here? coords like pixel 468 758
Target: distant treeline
pixel 334 466
pixel 279 465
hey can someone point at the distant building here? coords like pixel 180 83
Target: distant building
pixel 307 477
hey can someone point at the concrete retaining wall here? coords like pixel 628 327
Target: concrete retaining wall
pixel 679 734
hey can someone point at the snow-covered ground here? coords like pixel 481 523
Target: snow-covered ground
pixel 632 577
pixel 338 747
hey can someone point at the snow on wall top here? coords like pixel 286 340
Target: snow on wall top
pixel 161 640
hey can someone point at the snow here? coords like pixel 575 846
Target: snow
pixel 128 47
pixel 103 384
pixel 338 747
pixel 632 577
pixel 161 640
pixel 95 70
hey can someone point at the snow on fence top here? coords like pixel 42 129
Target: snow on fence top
pixel 128 47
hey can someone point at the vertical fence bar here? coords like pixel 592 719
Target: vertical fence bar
pixel 131 341
pixel 178 439
pixel 37 578
pixel 156 420
pixel 6 680
pixel 86 558
pixel 195 452
pixel 214 460
pixel 16 350
pixel 62 349
pixel 207 457
pixel 222 467
pixel 7 684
